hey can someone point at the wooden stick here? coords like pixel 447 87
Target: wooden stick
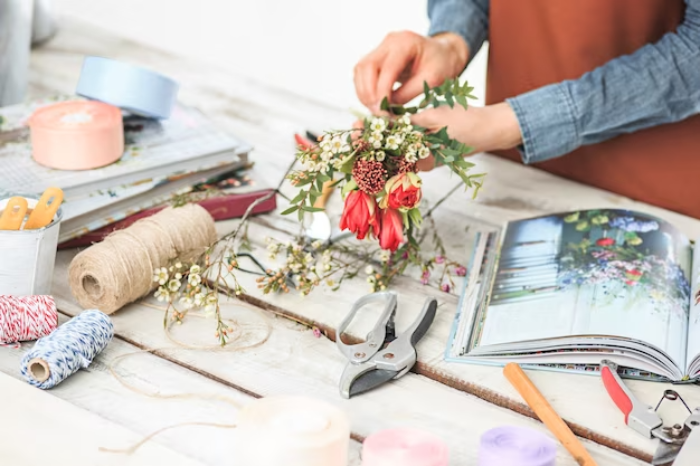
pixel 537 402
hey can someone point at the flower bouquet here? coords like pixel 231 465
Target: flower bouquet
pixel 376 164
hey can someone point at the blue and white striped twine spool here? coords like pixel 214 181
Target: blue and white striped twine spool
pixel 70 348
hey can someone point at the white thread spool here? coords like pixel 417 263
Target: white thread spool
pixel 292 431
pixel 27 257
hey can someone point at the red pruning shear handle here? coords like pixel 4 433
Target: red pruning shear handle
pixel 645 419
pixel 641 418
pixel 304 142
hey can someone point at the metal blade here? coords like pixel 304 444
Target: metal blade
pixel 665 454
pixel 425 322
pixel 370 380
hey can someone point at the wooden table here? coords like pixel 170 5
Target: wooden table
pixel 457 402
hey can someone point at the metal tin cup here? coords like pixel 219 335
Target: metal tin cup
pixel 27 257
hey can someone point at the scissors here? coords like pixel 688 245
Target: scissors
pixel 384 355
pixel 679 445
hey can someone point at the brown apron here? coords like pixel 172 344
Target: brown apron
pixel 539 42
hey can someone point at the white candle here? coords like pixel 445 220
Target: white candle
pixel 293 431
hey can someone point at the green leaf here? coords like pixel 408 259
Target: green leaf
pixel 313 197
pixel 301 195
pixel 448 98
pixel 404 215
pixel 426 90
pixel 451 152
pixel 397 110
pixel 461 100
pixel 312 209
pixel 416 217
pixel 349 186
pixel 303 182
pixel 290 210
pixel 385 104
pixel 346 167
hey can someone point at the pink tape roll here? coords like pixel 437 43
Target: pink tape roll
pixel 404 447
pixel 77 135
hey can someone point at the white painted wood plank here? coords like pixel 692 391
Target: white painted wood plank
pixel 43 429
pixel 98 393
pixel 294 362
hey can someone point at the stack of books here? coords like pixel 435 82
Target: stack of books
pixel 162 160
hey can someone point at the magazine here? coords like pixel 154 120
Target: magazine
pixel 87 214
pixel 562 292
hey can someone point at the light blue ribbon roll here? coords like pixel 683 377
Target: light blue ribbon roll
pixel 134 89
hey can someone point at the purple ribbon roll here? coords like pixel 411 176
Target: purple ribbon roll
pixel 516 446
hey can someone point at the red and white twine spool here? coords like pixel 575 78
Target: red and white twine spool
pixel 26 318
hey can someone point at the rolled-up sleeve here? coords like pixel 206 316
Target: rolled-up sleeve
pixel 656 85
pixel 468 18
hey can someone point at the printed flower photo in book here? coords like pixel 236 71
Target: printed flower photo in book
pixel 568 290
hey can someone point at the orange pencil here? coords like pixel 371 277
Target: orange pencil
pixel 537 402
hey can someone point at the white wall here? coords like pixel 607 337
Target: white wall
pixel 307 46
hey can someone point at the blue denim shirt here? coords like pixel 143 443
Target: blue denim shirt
pixel 658 84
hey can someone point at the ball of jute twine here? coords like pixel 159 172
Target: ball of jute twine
pixel 119 270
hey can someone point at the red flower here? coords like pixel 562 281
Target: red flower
pixel 403 191
pixel 391 233
pixel 635 272
pixel 605 242
pixel 359 214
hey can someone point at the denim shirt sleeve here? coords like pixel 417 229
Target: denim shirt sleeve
pixel 468 18
pixel 658 84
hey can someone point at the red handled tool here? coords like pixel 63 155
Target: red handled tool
pixel 646 421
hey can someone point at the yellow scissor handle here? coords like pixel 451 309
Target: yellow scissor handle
pixel 45 209
pixel 13 215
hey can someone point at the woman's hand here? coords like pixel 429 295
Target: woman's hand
pixel 410 59
pixel 489 128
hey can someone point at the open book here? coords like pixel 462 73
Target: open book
pixel 562 292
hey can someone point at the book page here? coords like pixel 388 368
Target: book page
pixel 694 318
pixel 596 272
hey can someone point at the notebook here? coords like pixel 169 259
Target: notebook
pixel 562 292
pixel 187 142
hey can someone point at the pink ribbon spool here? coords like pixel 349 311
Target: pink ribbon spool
pixel 404 447
pixel 77 135
pixel 516 446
